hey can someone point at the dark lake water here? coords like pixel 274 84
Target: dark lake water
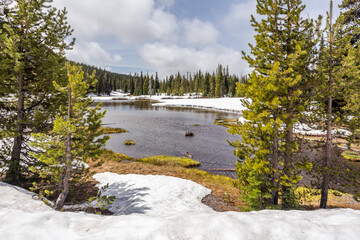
pixel 161 131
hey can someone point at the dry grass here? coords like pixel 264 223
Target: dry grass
pixel 221 186
pixel 310 199
pixel 226 122
pixel 351 155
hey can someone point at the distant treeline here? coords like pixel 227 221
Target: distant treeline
pixel 216 84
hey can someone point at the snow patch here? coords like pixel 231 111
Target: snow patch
pixel 24 218
pixel 223 104
pixel 149 195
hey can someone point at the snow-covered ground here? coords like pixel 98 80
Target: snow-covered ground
pixel 224 104
pixel 159 207
pixel 309 131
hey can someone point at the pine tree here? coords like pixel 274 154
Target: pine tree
pixel 206 85
pixel 38 32
pixel 350 19
pixel 146 84
pixel 338 70
pixel 219 80
pixel 74 137
pixel 275 102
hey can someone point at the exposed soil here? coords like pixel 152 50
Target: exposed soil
pixel 218 204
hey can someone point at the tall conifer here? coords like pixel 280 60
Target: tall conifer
pixel 74 137
pixel 274 91
pixel 38 32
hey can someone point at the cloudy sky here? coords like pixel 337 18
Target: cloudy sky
pixel 165 36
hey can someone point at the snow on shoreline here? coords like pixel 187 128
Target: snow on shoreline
pixel 22 217
pixel 222 104
pixel 219 104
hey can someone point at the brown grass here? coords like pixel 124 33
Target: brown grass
pixel 221 186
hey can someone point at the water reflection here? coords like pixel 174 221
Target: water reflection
pixel 161 131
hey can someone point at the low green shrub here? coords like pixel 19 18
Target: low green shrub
pixel 170 160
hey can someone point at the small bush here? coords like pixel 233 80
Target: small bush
pixel 129 142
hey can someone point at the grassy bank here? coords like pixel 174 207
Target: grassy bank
pixel 226 122
pixel 170 161
pixel 223 187
pixel 110 130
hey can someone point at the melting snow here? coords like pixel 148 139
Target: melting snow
pixel 162 207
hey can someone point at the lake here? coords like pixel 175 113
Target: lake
pixel 161 131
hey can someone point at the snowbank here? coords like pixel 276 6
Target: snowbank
pixel 22 217
pixel 223 104
pixel 152 195
pixel 304 129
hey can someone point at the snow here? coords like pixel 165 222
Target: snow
pixel 223 104
pixel 173 211
pixel 304 129
pixel 148 194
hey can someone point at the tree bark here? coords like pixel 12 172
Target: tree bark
pixel 286 201
pixel 275 160
pixel 13 175
pixel 328 148
pixel 64 184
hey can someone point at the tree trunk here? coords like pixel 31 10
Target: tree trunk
pixel 64 184
pixel 327 162
pixel 286 198
pixel 275 182
pixel 13 175
pixel 328 149
pixel 275 160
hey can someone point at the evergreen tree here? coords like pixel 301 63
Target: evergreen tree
pixel 206 85
pixel 338 70
pixel 212 85
pixel 219 82
pixel 350 19
pixel 74 137
pixel 275 91
pixel 146 84
pixel 38 32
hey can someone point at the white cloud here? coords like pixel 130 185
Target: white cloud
pixel 130 21
pixel 91 53
pixel 198 33
pixel 169 59
pixel 163 42
pixel 117 58
pixel 240 13
pixel 165 3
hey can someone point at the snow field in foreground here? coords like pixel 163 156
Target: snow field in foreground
pixel 172 210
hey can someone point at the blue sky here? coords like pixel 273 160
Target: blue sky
pixel 166 36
